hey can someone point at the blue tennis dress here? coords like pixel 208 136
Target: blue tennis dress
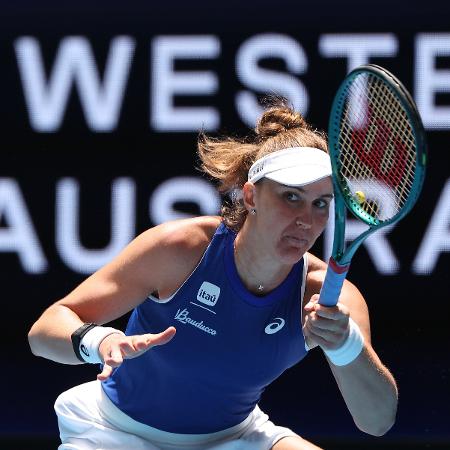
pixel 229 345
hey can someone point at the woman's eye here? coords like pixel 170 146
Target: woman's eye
pixel 291 196
pixel 321 203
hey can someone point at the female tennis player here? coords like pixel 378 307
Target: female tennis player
pixel 221 307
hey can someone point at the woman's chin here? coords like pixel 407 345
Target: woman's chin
pixel 293 253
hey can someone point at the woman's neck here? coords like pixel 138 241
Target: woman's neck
pixel 257 265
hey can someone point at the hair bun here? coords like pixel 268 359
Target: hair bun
pixel 278 120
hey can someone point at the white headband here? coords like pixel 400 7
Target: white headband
pixel 294 166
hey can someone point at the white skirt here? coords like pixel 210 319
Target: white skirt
pixel 88 420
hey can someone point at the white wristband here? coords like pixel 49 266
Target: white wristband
pixel 351 348
pixel 90 343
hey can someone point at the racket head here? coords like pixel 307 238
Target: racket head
pixel 377 146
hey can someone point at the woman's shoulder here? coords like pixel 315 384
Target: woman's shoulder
pixel 316 267
pixel 183 239
pixel 350 294
pixel 315 274
pixel 189 233
pixel 171 250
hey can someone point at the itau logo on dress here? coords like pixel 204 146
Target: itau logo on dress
pixel 208 293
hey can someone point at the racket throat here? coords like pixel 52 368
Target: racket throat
pixel 338 268
pixel 333 282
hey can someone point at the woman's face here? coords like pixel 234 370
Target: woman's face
pixel 290 219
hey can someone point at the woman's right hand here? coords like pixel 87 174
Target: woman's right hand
pixel 117 347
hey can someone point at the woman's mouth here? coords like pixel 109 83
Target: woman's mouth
pixel 296 241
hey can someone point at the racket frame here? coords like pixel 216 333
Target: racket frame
pixel 341 255
pixel 339 262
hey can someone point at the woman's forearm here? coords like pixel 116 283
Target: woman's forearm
pixel 49 337
pixel 370 392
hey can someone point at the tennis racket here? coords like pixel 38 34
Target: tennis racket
pixel 378 155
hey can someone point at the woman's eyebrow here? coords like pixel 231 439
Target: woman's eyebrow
pixel 303 191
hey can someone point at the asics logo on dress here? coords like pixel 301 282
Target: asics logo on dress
pixel 208 293
pixel 276 325
pixel 183 317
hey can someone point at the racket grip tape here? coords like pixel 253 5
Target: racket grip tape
pixel 332 285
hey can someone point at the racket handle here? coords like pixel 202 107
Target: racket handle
pixel 332 285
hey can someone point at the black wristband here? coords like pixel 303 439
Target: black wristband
pixel 77 335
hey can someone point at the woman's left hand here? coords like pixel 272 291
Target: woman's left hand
pixel 325 326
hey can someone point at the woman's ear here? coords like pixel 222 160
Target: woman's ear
pixel 248 195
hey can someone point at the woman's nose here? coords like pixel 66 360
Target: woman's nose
pixel 304 220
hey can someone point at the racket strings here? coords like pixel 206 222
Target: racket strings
pixel 377 148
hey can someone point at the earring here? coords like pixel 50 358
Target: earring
pixel 253 211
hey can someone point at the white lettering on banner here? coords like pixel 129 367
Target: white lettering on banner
pixel 251 75
pixel 430 81
pixel 166 83
pixel 182 189
pixel 437 236
pixel 358 48
pixel 19 235
pixel 74 64
pixel 75 256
